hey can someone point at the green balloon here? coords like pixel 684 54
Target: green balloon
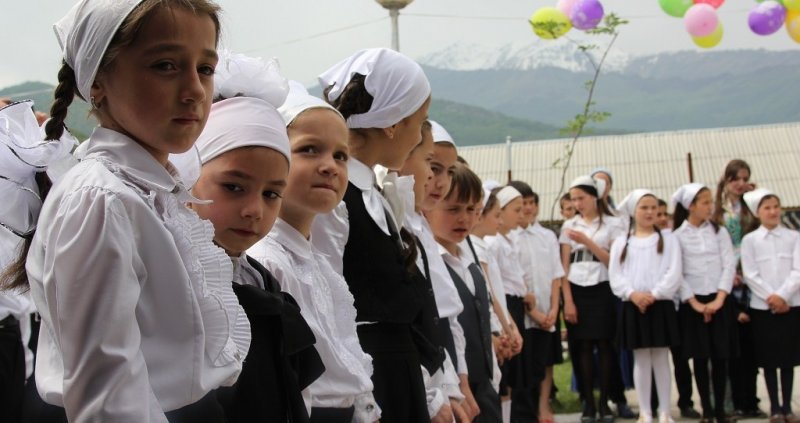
pixel 676 8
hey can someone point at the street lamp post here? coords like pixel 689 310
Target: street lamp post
pixel 394 7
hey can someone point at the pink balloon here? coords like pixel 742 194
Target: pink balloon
pixel 714 3
pixel 566 6
pixel 701 20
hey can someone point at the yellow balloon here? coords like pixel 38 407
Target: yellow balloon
pixel 710 40
pixel 792 4
pixel 793 25
pixel 550 23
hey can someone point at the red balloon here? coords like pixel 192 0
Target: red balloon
pixel 715 3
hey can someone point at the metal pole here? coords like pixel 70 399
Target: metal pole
pixel 394 13
pixel 691 167
pixel 508 156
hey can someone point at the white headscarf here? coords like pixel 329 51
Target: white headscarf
pixel 507 195
pixel 753 198
pixel 397 84
pixel 23 153
pixel 587 181
pixel 627 206
pixel 488 186
pixel 440 134
pixel 84 34
pixel 298 101
pixel 686 194
pixel 237 74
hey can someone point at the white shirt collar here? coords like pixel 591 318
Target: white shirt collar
pixel 291 239
pixel 764 232
pixel 244 273
pixel 360 175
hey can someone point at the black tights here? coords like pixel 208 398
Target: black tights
pixel 719 373
pixel 787 379
pixel 586 367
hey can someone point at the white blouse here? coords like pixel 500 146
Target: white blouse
pixel 541 262
pixel 138 313
pixel 493 276
pixel 590 273
pixel 327 305
pixel 709 264
pixel 508 261
pixel 644 268
pixel 771 265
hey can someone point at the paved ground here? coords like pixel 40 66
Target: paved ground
pixel 762 394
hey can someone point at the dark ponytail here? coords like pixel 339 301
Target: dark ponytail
pixel 679 215
pixel 14 277
pixel 354 99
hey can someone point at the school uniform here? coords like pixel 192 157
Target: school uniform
pixel 128 332
pixel 709 266
pixel 588 278
pixel 443 383
pixel 370 253
pixel 473 291
pixel 771 266
pixel 646 270
pixel 327 306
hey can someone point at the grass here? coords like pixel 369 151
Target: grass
pixel 567 401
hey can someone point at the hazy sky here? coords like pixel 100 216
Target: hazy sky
pixel 309 35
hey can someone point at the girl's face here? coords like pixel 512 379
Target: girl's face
pixel 703 206
pixel 491 220
pixel 451 220
pixel 584 203
pixel 739 184
pixel 769 212
pixel 245 185
pixel 567 209
pixel 158 89
pixel 418 164
pixel 646 211
pixel 442 164
pixel 406 135
pixel 662 217
pixel 511 215
pixel 318 174
pixel 528 209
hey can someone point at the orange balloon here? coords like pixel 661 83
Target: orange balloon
pixel 793 24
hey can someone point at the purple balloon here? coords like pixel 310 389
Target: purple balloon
pixel 586 14
pixel 767 17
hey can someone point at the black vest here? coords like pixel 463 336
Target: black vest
pixel 382 287
pixel 475 322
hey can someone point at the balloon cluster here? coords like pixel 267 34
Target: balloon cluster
pixel 703 24
pixel 553 22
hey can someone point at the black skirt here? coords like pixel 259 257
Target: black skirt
pixel 597 312
pixel 396 377
pixel 541 355
pixel 513 372
pixel 656 328
pixel 777 343
pixel 717 339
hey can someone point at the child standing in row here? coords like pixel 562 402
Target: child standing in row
pixel 384 98
pixel 451 221
pixel 645 271
pixel 771 266
pixel 707 315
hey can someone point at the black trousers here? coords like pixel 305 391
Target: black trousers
pixel 332 415
pixel 742 371
pixel 12 371
pixel 488 401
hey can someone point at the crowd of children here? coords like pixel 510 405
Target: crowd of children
pixel 226 247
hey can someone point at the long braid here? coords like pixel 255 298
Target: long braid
pixel 625 248
pixel 64 94
pixel 660 247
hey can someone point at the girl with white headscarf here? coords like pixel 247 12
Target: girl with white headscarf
pixel 245 156
pixel 384 97
pixel 139 321
pixel 644 270
pixel 316 183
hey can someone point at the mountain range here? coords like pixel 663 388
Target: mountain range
pixel 528 91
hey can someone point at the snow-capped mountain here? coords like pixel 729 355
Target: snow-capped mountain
pixel 561 54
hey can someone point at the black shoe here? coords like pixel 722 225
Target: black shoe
pixel 754 414
pixel 625 412
pixel 588 415
pixel 690 413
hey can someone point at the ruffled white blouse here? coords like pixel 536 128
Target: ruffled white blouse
pixel 327 305
pixel 138 313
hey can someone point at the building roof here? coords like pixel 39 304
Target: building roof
pixel 657 161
